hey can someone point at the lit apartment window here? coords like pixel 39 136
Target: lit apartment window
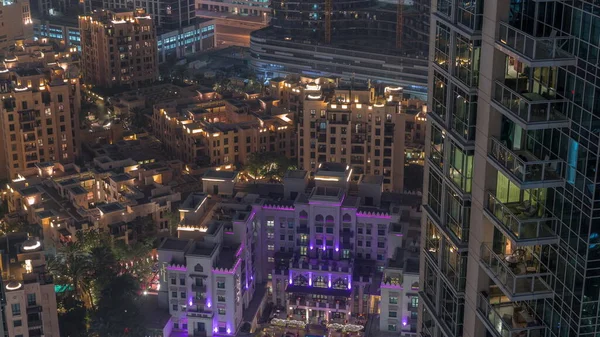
pixel 393 314
pixel 271 259
pixel 393 300
pixel 221 311
pixel 221 298
pixel 221 285
pixel 271 247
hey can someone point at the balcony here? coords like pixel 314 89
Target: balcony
pixel 520 277
pixel 34 324
pixel 302 230
pixel 535 51
pixel 503 318
pixel 199 311
pixel 530 110
pixel 199 288
pixel 525 169
pixel 524 223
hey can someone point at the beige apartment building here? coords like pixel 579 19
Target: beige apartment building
pixel 30 308
pixel 347 124
pixel 222 132
pixel 15 22
pixel 118 48
pixel 39 112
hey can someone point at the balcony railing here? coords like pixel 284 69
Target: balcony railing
pixel 536 50
pixel 531 109
pixel 523 222
pixel 199 288
pixel 509 319
pixel 524 166
pixel 519 279
pixel 437 157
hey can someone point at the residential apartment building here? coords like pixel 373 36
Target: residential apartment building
pixel 28 289
pixel 111 196
pixel 222 131
pixel 510 227
pixel 15 20
pixel 178 31
pixel 118 48
pixel 322 256
pixel 348 124
pixel 41 103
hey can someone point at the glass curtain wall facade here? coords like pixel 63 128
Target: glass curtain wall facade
pixel 512 202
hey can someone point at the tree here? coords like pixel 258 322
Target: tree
pixel 118 311
pixel 173 222
pixel 269 165
pixel 72 317
pixel 138 118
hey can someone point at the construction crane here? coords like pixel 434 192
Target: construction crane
pixel 328 21
pixel 399 23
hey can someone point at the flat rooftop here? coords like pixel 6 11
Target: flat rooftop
pixel 225 175
pixel 112 207
pixel 296 174
pixel 371 179
pixel 205 249
pixel 227 258
pixel 174 244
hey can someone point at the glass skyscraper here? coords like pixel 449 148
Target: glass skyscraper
pixel 511 230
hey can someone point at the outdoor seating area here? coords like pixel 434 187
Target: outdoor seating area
pixel 526 219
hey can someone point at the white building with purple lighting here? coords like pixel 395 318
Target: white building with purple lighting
pixel 319 253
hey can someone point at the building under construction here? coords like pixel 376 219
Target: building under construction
pixel 378 40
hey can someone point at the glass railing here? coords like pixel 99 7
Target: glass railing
pixel 510 319
pixel 523 219
pixel 437 157
pixel 519 278
pixel 552 48
pixel 461 233
pixel 530 107
pixel 524 166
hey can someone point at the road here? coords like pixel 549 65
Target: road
pixel 233 36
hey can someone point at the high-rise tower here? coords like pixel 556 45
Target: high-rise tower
pixel 511 228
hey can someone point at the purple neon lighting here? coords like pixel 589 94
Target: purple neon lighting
pixel 190 302
pixel 176 268
pixel 215 329
pixel 239 251
pixel 337 249
pixel 404 322
pixel 281 208
pixel 208 304
pixel 311 247
pixel 376 216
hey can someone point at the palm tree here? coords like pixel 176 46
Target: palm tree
pixel 72 267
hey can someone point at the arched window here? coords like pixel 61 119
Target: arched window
pixel 329 218
pixel 300 280
pixel 340 283
pixel 198 268
pixel 303 215
pixel 320 282
pixel 319 218
pixel 346 218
